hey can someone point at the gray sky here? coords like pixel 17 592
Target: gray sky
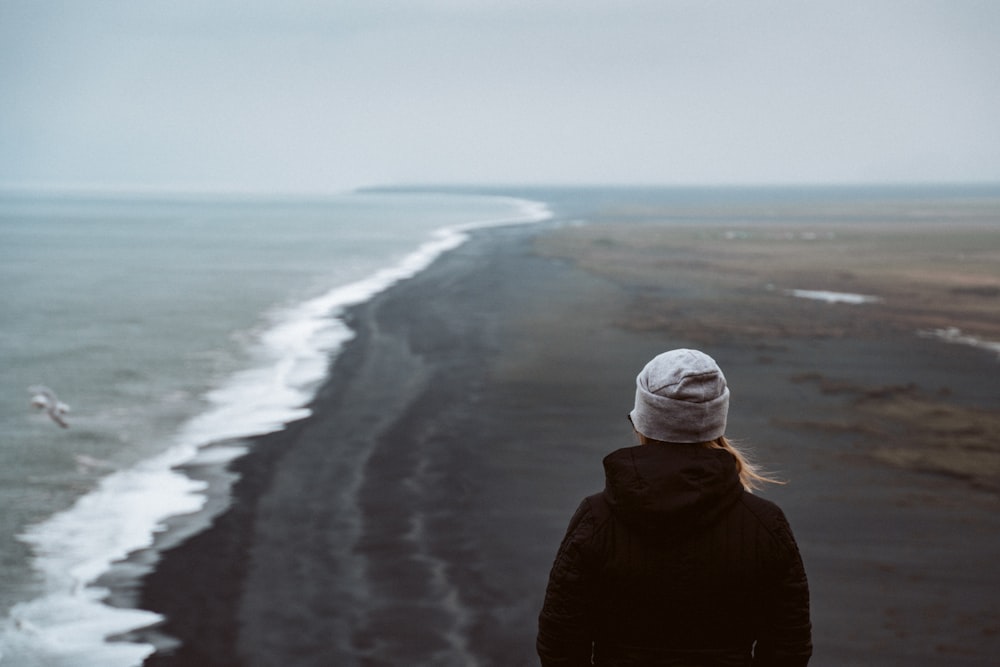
pixel 310 95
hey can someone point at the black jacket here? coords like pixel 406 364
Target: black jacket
pixel 675 564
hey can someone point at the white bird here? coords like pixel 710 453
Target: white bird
pixel 45 399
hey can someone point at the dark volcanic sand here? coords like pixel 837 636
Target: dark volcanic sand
pixel 413 518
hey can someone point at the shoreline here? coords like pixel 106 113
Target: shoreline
pixel 226 358
pixel 413 517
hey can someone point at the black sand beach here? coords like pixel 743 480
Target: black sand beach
pixel 413 518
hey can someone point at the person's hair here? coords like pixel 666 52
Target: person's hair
pixel 752 477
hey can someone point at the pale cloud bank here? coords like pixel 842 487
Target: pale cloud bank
pixel 301 95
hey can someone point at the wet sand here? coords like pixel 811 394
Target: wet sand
pixel 413 518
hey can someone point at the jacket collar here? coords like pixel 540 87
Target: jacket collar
pixel 667 489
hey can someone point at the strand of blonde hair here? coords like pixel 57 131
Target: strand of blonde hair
pixel 751 475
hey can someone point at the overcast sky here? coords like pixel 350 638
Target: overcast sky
pixel 311 95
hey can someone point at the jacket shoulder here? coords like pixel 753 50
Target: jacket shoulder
pixel 598 508
pixel 764 509
pixel 770 518
pixel 590 516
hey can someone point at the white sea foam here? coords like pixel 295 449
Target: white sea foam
pixel 833 297
pixel 70 625
pixel 955 335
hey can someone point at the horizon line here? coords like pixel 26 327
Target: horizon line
pixel 122 189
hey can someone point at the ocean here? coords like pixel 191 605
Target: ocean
pixel 172 326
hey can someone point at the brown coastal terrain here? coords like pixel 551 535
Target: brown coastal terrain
pixel 412 519
pixel 933 276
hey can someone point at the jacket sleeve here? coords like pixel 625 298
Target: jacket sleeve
pixel 565 625
pixel 785 639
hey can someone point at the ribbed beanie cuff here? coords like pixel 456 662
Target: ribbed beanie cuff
pixel 681 396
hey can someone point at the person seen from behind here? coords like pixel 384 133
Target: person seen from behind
pixel 676 562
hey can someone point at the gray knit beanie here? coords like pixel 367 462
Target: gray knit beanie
pixel 681 396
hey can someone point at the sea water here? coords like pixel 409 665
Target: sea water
pixel 168 324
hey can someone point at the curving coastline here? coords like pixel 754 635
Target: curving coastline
pixel 412 518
